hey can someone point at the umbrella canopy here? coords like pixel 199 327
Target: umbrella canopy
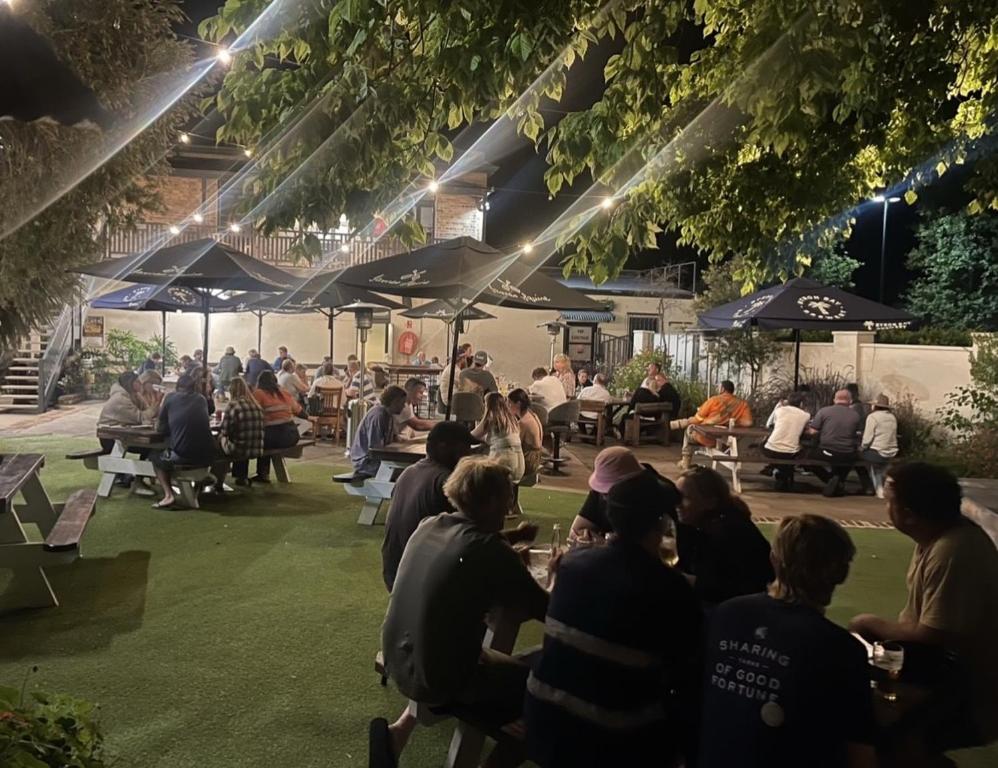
pixel 803 304
pixel 205 264
pixel 161 298
pixel 332 296
pixel 465 270
pixel 445 310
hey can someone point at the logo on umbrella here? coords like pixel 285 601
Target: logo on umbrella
pixel 137 294
pixel 873 325
pixel 504 287
pixel 409 278
pixel 821 307
pixel 754 306
pixel 182 296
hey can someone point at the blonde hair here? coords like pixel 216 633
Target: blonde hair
pixel 475 480
pixel 499 416
pixel 238 389
pixel 288 365
pixel 561 357
pixel 811 557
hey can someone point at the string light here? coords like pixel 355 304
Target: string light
pixel 198 218
pixel 174 230
pixel 248 152
pixel 344 248
pixel 607 203
pixel 185 138
pixel 234 227
pixel 434 186
pixel 528 248
pixel 224 57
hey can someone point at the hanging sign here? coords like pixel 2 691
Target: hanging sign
pixel 407 343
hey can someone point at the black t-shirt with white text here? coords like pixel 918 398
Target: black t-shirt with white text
pixel 783 686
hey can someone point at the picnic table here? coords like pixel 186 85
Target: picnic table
pixel 376 490
pixel 61 525
pixel 606 415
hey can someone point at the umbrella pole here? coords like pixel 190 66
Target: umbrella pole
pixel 162 362
pixel 206 374
pixel 796 358
pixel 259 332
pixel 458 327
pixel 331 334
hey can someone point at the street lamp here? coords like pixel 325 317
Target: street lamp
pixel 883 238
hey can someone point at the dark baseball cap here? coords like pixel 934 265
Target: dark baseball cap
pixel 636 505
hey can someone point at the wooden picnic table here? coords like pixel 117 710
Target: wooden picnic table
pixel 606 416
pixel 376 490
pixel 61 525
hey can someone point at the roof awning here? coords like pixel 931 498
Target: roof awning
pixel 585 316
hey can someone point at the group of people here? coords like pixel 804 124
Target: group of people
pixel 725 659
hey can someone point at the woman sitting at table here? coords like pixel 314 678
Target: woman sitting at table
pixel 290 381
pixel 129 406
pixel 325 379
pixel 726 555
pixel 241 434
pixel 564 373
pixel 501 430
pixel 531 431
pixel 279 410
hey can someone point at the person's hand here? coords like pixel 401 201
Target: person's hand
pixel 554 563
pixel 866 625
pixel 526 531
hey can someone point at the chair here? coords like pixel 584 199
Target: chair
pixel 648 417
pixel 527 481
pixel 467 407
pixel 331 414
pixel 598 407
pixel 560 421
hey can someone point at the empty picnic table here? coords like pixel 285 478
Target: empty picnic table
pixel 61 525
pixel 376 490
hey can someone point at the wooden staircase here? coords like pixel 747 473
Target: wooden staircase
pixel 20 388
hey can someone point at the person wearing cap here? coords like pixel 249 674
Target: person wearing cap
pixel 617 680
pixel 880 436
pixel 228 366
pixel 419 492
pixel 476 378
pixel 783 685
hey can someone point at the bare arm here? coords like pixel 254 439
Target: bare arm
pixel 479 431
pixel 876 628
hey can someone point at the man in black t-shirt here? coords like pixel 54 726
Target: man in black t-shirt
pixel 419 491
pixel 184 419
pixel 784 686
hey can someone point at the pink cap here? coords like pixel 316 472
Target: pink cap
pixel 613 465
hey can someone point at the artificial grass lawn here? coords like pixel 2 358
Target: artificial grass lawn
pixel 244 634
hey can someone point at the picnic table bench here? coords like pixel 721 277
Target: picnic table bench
pixel 188 480
pixel 376 490
pixel 735 446
pixel 61 525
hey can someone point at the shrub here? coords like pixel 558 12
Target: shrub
pixel 933 337
pixel 630 375
pixel 48 730
pixel 822 387
pixel 971 412
pixel 917 439
pixel 693 393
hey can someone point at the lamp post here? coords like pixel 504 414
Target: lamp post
pixel 883 238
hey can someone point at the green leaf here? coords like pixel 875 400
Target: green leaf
pixel 910 197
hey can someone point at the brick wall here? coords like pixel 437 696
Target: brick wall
pixel 181 197
pixel 457 216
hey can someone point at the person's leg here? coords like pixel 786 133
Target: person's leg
pixel 106 445
pixel 270 437
pixel 240 470
pixel 163 475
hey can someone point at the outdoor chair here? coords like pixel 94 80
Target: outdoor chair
pixel 561 419
pixel 648 417
pixel 542 415
pixel 597 425
pixel 467 407
pixel 331 414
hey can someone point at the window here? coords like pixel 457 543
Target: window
pixel 425 216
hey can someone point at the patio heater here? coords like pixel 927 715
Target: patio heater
pixel 554 329
pixel 363 315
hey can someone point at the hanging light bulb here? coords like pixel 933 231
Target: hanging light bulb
pixel 528 248
pixel 198 218
pixel 433 186
pixel 224 57
pixel 607 203
pixel 345 248
pixel 174 230
pixel 185 138
pixel 234 227
pixel 248 152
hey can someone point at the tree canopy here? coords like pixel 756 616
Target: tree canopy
pixel 115 47
pixel 756 140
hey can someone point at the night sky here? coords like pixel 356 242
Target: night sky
pixel 520 207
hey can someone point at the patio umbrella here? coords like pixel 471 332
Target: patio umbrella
pixel 465 270
pixel 204 266
pixel 445 310
pixel 162 299
pixel 803 304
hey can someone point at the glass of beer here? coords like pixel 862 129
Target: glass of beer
pixel 888 656
pixel 667 548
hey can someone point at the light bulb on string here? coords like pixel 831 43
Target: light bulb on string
pixel 607 203
pixel 185 138
pixel 528 248
pixel 174 229
pixel 248 152
pixel 198 218
pixel 234 227
pixel 433 186
pixel 224 57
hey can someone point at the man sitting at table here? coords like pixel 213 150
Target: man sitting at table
pixel 837 427
pixel 547 390
pixel 949 624
pixel 596 391
pixel 255 365
pixel 419 491
pixel 622 636
pixel 184 419
pixel 718 410
pixel 357 385
pixel 376 430
pixel 456 568
pixel 789 422
pixel 129 405
pixel 407 422
pixel 783 685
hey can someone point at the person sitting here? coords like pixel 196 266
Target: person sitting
pixel 129 405
pixel 241 434
pixel 443 393
pixel 582 379
pixel 325 379
pixel 282 355
pixel 255 365
pixel 728 555
pixel 357 385
pixel 420 359
pixel 531 431
pixel 151 363
pixel 783 685
pixel 228 367
pixel 619 673
pixel 185 421
pixel 564 373
pixel 476 378
pixel 651 376
pixel 290 382
pixel 500 429
pixel 789 423
pixel 949 623
pixel 455 569
pixel 879 443
pixel 376 430
pixel 279 428
pixel 547 390
pixel 597 391
pixel 187 364
pixel 419 492
pixel 720 410
pixel 837 427
pixel 857 403
pixel 407 422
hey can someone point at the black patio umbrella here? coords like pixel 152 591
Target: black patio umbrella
pixel 465 270
pixel 205 266
pixel 162 299
pixel 448 311
pixel 803 304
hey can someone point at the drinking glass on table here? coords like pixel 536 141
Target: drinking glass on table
pixel 888 656
pixel 667 548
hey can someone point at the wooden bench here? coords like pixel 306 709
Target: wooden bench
pixel 648 417
pixel 876 471
pixel 60 524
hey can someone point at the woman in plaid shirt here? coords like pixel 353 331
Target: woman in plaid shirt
pixel 241 433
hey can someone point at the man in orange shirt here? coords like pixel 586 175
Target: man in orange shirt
pixel 718 410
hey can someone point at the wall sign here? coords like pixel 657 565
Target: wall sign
pixel 93 326
pixel 407 343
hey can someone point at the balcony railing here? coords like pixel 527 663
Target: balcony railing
pixel 276 248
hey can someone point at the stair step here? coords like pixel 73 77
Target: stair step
pixel 20 377
pixel 21 387
pixel 30 360
pixel 18 407
pixel 26 370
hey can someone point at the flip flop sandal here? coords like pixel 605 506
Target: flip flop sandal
pixel 161 505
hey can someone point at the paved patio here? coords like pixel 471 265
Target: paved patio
pixel 766 504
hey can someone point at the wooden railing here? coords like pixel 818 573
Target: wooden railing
pixel 337 249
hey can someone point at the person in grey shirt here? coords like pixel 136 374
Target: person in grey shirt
pixel 228 367
pixel 476 378
pixel 837 427
pixel 376 430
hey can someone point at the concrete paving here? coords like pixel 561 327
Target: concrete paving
pixel 766 504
